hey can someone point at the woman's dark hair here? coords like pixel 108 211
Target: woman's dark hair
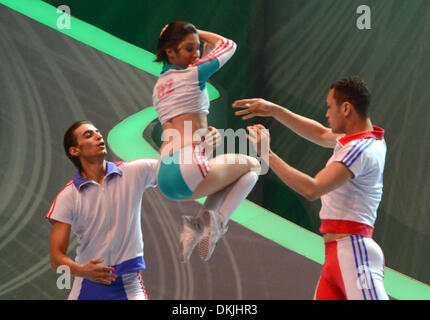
pixel 172 36
pixel 353 90
pixel 70 140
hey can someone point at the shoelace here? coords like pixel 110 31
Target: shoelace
pixel 195 224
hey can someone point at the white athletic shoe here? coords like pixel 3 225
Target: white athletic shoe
pixel 191 233
pixel 213 231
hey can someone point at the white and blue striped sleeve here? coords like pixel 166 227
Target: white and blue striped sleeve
pixel 353 155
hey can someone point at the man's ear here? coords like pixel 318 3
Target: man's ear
pixel 346 109
pixel 75 151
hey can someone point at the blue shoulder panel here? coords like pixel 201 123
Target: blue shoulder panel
pixel 207 69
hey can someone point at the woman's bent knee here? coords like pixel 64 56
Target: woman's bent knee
pixel 254 165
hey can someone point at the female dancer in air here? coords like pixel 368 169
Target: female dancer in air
pixel 181 100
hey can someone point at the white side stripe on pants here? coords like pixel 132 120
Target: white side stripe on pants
pixel 364 274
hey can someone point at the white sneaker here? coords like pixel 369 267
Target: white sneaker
pixel 191 233
pixel 213 231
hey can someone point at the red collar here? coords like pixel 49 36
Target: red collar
pixel 377 133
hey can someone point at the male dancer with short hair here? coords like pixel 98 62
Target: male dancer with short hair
pixel 350 186
pixel 102 206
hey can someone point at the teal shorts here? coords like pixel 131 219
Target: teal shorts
pixel 181 172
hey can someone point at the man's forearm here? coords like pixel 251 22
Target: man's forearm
pixel 60 259
pixel 307 128
pixel 293 178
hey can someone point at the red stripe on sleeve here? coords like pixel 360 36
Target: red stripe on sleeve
pixel 222 49
pixel 48 215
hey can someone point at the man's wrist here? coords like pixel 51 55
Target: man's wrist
pixel 275 111
pixel 78 270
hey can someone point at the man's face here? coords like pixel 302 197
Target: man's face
pixel 186 52
pixel 90 143
pixel 334 115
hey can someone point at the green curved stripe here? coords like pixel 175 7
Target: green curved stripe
pixel 126 140
pixel 130 130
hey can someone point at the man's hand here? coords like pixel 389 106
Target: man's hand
pixel 211 140
pixel 100 274
pixel 254 107
pixel 260 138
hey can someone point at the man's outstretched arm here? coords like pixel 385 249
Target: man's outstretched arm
pixel 312 188
pixel 307 128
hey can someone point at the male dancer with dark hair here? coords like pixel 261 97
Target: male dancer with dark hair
pixel 102 206
pixel 350 186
